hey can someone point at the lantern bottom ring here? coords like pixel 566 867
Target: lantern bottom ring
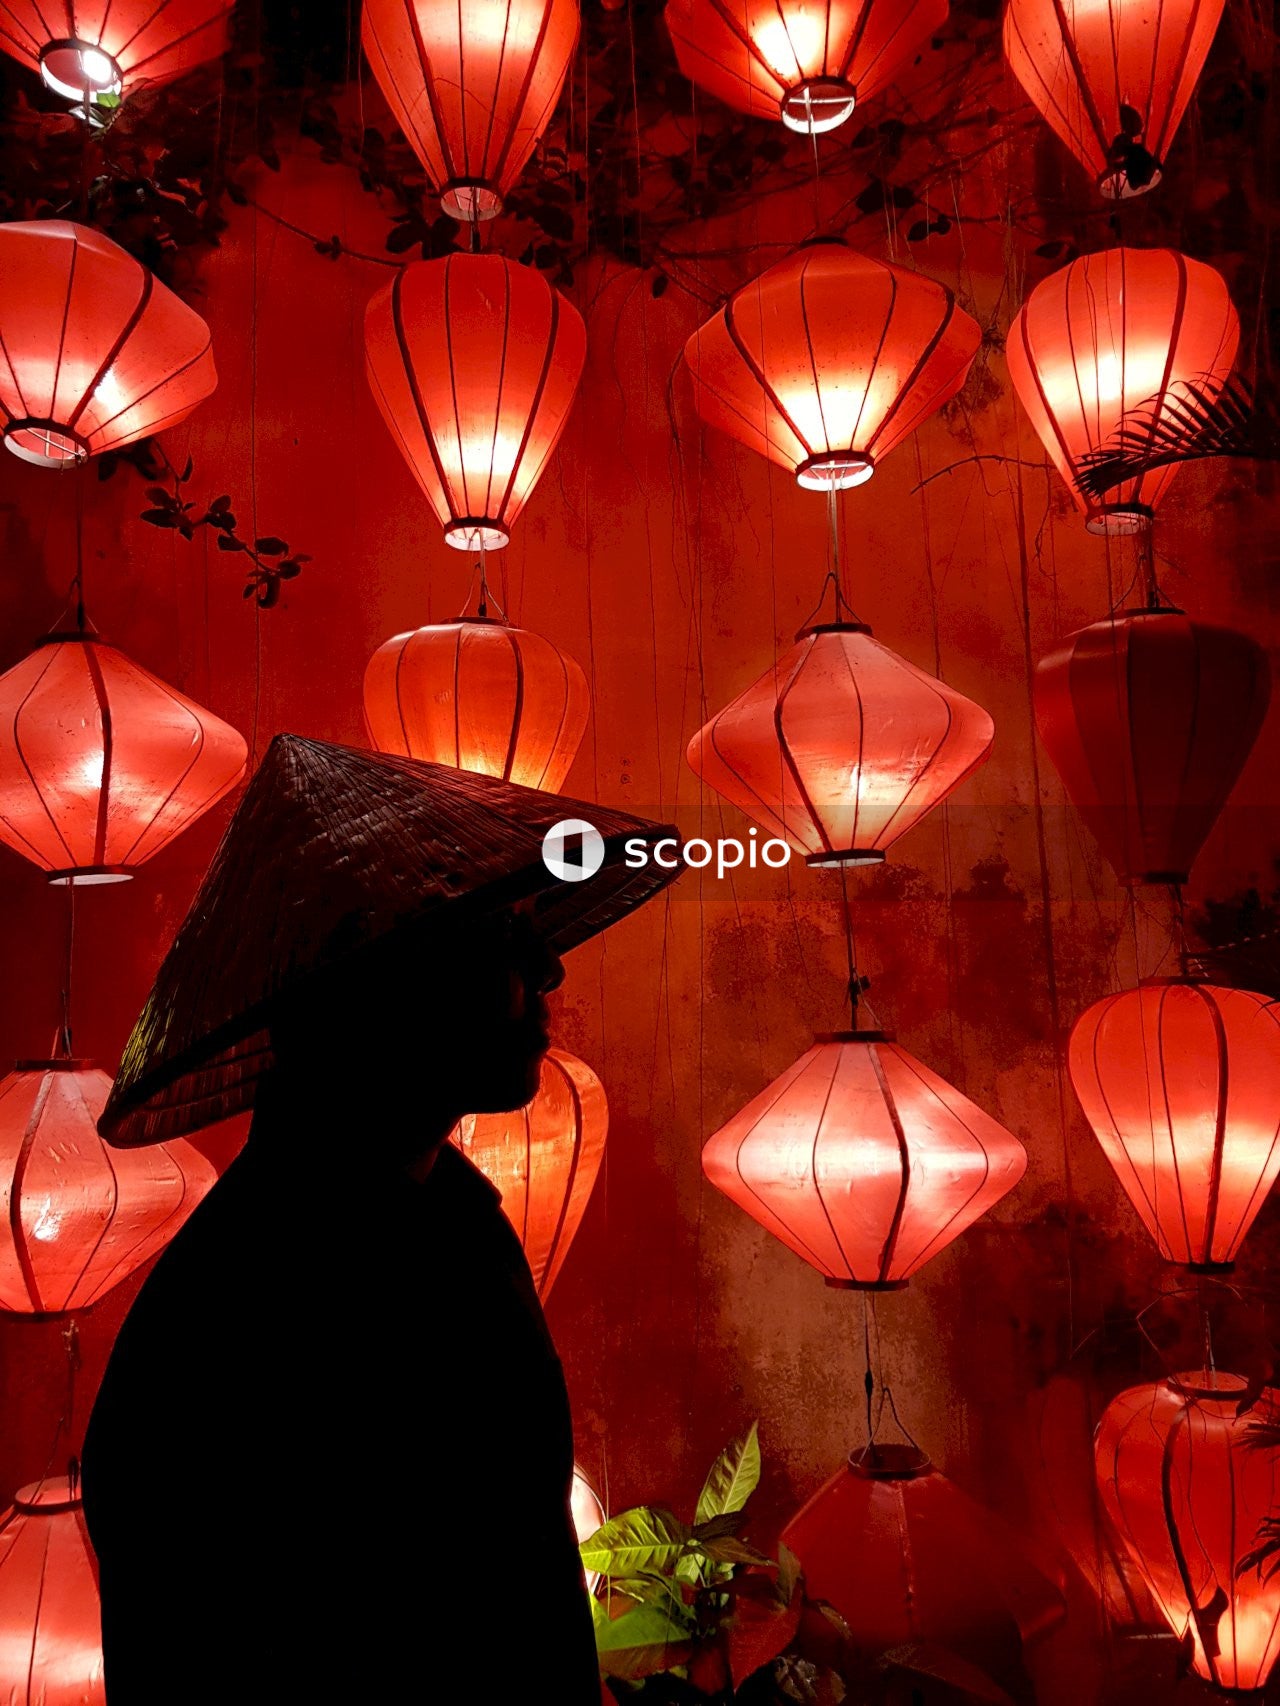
pixel 834 471
pixel 45 443
pixel 476 533
pixel 1115 520
pixel 817 105
pixel 864 1285
pixel 79 70
pixel 1208 1267
pixel 1116 186
pixel 850 856
pixel 87 876
pixel 470 200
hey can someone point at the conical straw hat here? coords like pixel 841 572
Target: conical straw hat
pixel 331 849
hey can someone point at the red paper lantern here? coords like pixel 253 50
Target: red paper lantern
pixel 77 1217
pixel 1149 719
pixel 828 360
pixel 904 1556
pixel 544 1159
pixel 101 763
pixel 94 351
pixel 472 87
pixel 1112 77
pixel 1189 1487
pixel 475 364
pixel 842 746
pixel 1178 1080
pixel 1104 336
pixel 50 1616
pixel 92 48
pixel 808 64
pixel 863 1161
pixel 480 695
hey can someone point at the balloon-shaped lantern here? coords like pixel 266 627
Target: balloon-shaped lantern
pixel 1179 1081
pixel 1112 333
pixel 77 1217
pixel 102 764
pixel 828 360
pixel 1193 1489
pixel 1112 77
pixel 863 1161
pixel 842 746
pixel 50 1616
pixel 807 63
pixel 1149 719
pixel 91 49
pixel 474 362
pixel 94 351
pixel 544 1159
pixel 480 695
pixel 472 86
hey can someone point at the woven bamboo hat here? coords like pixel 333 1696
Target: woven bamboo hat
pixel 329 851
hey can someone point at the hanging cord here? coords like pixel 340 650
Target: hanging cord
pixel 834 577
pixel 1153 598
pixel 817 172
pixel 64 1048
pixel 875 1410
pixel 857 984
pixel 481 591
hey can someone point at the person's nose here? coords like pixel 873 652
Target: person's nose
pixel 549 971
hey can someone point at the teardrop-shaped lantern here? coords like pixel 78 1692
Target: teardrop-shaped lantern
pixel 842 746
pixel 474 362
pixel 472 86
pixel 904 1556
pixel 50 1616
pixel 102 764
pixel 1149 719
pixel 75 1217
pixel 94 351
pixel 1112 77
pixel 863 1161
pixel 828 360
pixel 807 62
pixel 1179 1081
pixel 544 1159
pixel 1108 334
pixel 1193 1488
pixel 480 695
pixel 107 48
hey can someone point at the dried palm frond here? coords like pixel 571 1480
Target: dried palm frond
pixel 1189 422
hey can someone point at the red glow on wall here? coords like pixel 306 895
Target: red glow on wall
pixel 102 764
pixel 863 1161
pixel 1112 77
pixel 110 47
pixel 480 695
pixel 1149 719
pixel 1107 334
pixel 828 360
pixel 1189 1484
pixel 1178 1080
pixel 94 351
pixel 79 1218
pixel 841 747
pixel 544 1159
pixel 50 1618
pixel 472 87
pixel 807 64
pixel 475 364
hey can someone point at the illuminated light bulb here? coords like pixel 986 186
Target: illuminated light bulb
pixel 77 70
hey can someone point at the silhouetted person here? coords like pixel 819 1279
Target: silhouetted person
pixel 331 1455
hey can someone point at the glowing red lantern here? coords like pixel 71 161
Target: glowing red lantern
pixel 842 746
pixel 94 351
pixel 480 695
pixel 472 87
pixel 828 360
pixel 1105 335
pixel 904 1556
pixel 94 48
pixel 1149 719
pixel 1112 77
pixel 50 1617
pixel 77 1218
pixel 863 1161
pixel 544 1159
pixel 807 63
pixel 1190 1487
pixel 1178 1080
pixel 101 763
pixel 475 364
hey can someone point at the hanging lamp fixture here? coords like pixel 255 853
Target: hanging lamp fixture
pixel 98 51
pixel 50 1615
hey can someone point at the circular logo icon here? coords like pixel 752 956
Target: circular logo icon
pixel 573 850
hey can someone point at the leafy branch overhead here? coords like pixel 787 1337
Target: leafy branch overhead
pixel 1188 423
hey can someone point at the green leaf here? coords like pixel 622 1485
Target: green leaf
pixel 642 1642
pixel 644 1539
pixel 160 517
pixel 734 1476
pixel 270 546
pixel 732 1550
pixel 227 543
